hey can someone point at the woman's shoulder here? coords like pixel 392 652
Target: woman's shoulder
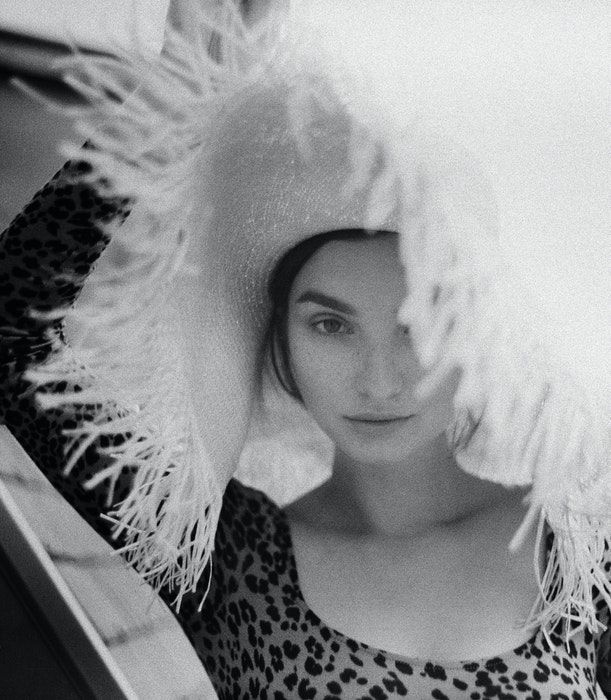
pixel 600 598
pixel 601 601
pixel 248 504
pixel 251 523
pixel 252 549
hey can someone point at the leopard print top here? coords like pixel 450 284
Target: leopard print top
pixel 255 635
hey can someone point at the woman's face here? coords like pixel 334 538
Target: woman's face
pixel 351 360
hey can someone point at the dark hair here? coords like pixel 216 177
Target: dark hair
pixel 279 289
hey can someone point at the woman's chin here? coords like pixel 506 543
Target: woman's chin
pixel 385 441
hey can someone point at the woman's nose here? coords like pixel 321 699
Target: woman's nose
pixel 383 372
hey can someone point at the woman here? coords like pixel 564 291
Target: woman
pixel 396 501
pixel 260 169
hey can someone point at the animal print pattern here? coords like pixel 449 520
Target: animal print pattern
pixel 255 635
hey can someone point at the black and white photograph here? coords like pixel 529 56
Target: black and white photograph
pixel 304 349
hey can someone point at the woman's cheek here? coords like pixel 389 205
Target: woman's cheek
pixel 321 373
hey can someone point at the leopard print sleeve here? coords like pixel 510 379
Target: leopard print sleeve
pixel 46 254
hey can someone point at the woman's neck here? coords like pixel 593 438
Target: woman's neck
pixel 427 489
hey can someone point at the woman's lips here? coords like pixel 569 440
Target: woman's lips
pixel 377 425
pixel 377 418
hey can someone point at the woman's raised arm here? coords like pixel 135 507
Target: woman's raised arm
pixel 46 254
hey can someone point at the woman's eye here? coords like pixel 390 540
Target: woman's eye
pixel 330 326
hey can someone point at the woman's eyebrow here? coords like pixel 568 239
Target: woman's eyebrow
pixel 325 300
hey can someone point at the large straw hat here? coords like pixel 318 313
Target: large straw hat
pixel 451 123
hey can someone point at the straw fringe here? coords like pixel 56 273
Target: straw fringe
pixel 129 383
pixel 513 402
pixel 566 586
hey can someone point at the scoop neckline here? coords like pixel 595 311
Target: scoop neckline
pixel 375 651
